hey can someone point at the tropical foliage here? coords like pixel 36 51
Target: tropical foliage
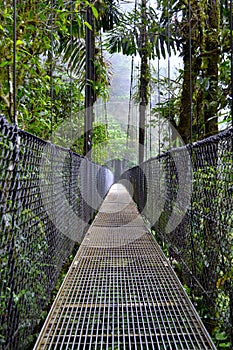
pixel 51 59
pixel 197 31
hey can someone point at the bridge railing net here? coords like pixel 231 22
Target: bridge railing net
pixel 46 203
pixel 186 195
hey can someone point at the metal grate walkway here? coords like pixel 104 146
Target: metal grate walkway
pixel 120 291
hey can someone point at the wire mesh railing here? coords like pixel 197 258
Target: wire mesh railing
pixel 186 195
pixel 48 196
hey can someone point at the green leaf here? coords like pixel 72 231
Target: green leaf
pixel 220 336
pixel 19 42
pixel 5 63
pixel 225 345
pixel 95 12
pixel 57 89
pixel 88 25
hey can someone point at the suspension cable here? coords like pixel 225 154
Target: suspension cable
pixel 14 62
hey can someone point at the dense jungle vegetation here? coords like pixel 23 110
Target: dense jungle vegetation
pixel 51 59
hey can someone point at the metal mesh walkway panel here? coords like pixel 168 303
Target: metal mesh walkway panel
pixel 120 292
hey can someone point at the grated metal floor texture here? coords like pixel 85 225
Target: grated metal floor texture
pixel 120 291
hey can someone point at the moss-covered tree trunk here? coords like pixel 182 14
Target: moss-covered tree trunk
pixel 201 40
pixel 210 103
pixel 211 71
pixel 144 82
pixel 185 119
pixel 192 32
pixel 90 78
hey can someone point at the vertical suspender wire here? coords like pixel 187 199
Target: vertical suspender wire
pixel 105 102
pixel 150 126
pixel 231 43
pixel 136 117
pixel 14 61
pixel 80 114
pixel 191 136
pixel 169 73
pixel 80 127
pixel 150 105
pixel 71 73
pixel 159 124
pixel 190 71
pixel 129 127
pixel 102 59
pixel 11 339
pixel 130 101
pixel 159 103
pixel 51 69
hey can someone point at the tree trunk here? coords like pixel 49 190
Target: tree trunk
pixel 90 78
pixel 211 73
pixel 192 43
pixel 185 118
pixel 144 82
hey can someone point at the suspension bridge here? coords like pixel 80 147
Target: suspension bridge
pixel 121 292
pixel 155 240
